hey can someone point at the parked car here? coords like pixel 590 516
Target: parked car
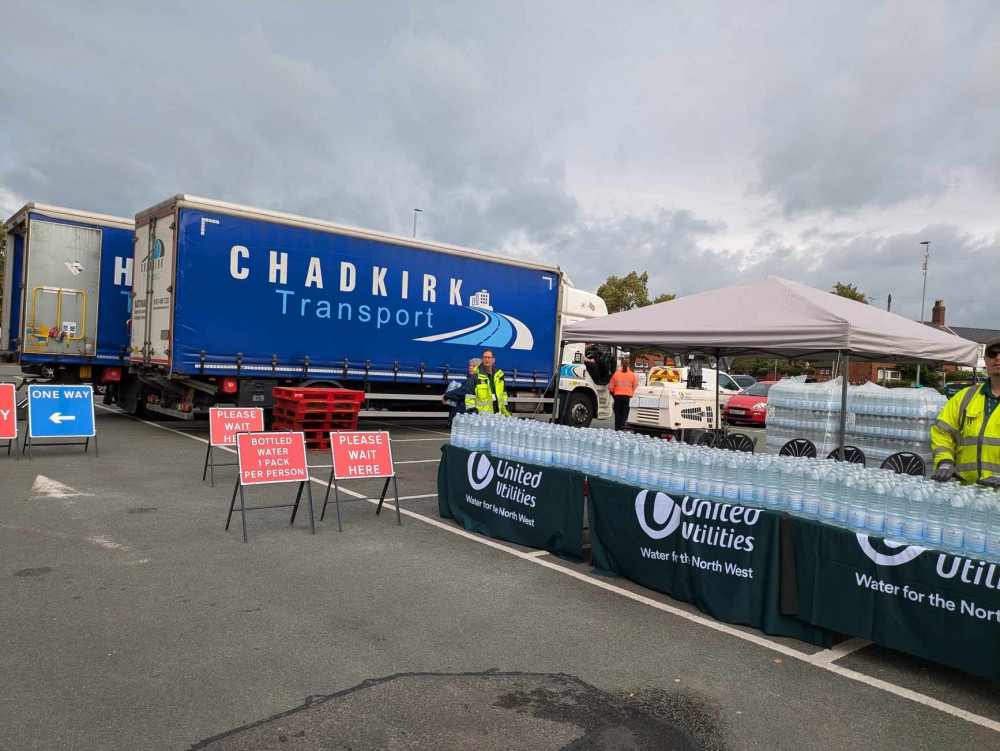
pixel 749 406
pixel 745 381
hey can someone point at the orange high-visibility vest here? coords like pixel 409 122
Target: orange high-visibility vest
pixel 623 384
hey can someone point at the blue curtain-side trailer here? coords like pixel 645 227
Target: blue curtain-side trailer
pixel 230 301
pixel 67 304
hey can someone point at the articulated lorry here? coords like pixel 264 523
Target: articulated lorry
pixel 66 298
pixel 230 301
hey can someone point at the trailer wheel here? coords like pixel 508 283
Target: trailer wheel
pixel 317 384
pixel 579 411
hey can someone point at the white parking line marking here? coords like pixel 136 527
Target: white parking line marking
pixel 418 461
pixel 538 553
pixel 533 557
pixel 837 651
pixel 410 440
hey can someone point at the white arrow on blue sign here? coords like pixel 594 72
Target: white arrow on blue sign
pixel 61 411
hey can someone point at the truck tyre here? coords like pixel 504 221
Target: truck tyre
pixel 314 383
pixel 579 411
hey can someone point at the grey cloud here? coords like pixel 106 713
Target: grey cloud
pixel 889 107
pixel 505 124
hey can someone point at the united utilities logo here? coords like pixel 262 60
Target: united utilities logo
pixel 492 329
pixel 721 525
pixel 662 519
pixel 887 552
pixel 480 471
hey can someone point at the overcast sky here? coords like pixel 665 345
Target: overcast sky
pixel 702 142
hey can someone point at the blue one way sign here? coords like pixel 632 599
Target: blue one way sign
pixel 61 411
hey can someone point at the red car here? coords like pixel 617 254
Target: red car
pixel 750 405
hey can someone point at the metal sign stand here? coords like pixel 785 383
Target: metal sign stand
pixel 28 443
pixel 381 499
pixel 294 506
pixel 12 442
pixel 211 464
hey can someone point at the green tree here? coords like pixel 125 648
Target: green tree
pixel 625 292
pixel 850 292
pixel 928 376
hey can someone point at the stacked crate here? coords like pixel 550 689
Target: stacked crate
pixel 316 412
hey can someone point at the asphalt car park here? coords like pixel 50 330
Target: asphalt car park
pixel 132 619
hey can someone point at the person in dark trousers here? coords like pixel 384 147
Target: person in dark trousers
pixel 623 385
pixel 456 396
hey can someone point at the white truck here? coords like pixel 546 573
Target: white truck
pixel 583 386
pixel 666 404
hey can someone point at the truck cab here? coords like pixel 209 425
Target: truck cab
pixel 586 369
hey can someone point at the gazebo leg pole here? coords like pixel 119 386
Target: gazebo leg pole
pixel 555 392
pixel 845 369
pixel 718 417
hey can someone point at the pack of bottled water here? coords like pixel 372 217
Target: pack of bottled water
pixel 880 421
pixel 964 520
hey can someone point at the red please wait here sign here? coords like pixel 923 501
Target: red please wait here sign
pixel 8 413
pixel 271 457
pixel 225 422
pixel 358 454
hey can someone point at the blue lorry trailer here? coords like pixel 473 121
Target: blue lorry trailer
pixel 231 301
pixel 67 291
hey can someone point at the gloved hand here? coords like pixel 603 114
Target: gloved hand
pixel 992 482
pixel 944 472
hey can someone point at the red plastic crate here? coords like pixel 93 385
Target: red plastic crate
pixel 310 412
pixel 317 395
pixel 316 425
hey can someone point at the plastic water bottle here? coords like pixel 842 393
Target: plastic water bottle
pixel 731 487
pixel 604 467
pixel 747 478
pixel 634 465
pixel 645 476
pixel 813 473
pixel 718 473
pixel 934 514
pixel 915 511
pixel 796 490
pixel 546 457
pixel 856 490
pixel 830 495
pixel 976 525
pixel 698 483
pixel 993 533
pixel 878 496
pixel 596 450
pixel 953 524
pixel 895 509
pixel 772 481
pixel 664 464
pixel 682 468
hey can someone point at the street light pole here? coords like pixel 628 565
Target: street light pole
pixel 417 211
pixel 923 294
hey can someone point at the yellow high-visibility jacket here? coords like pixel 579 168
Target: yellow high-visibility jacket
pixel 966 439
pixel 480 397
